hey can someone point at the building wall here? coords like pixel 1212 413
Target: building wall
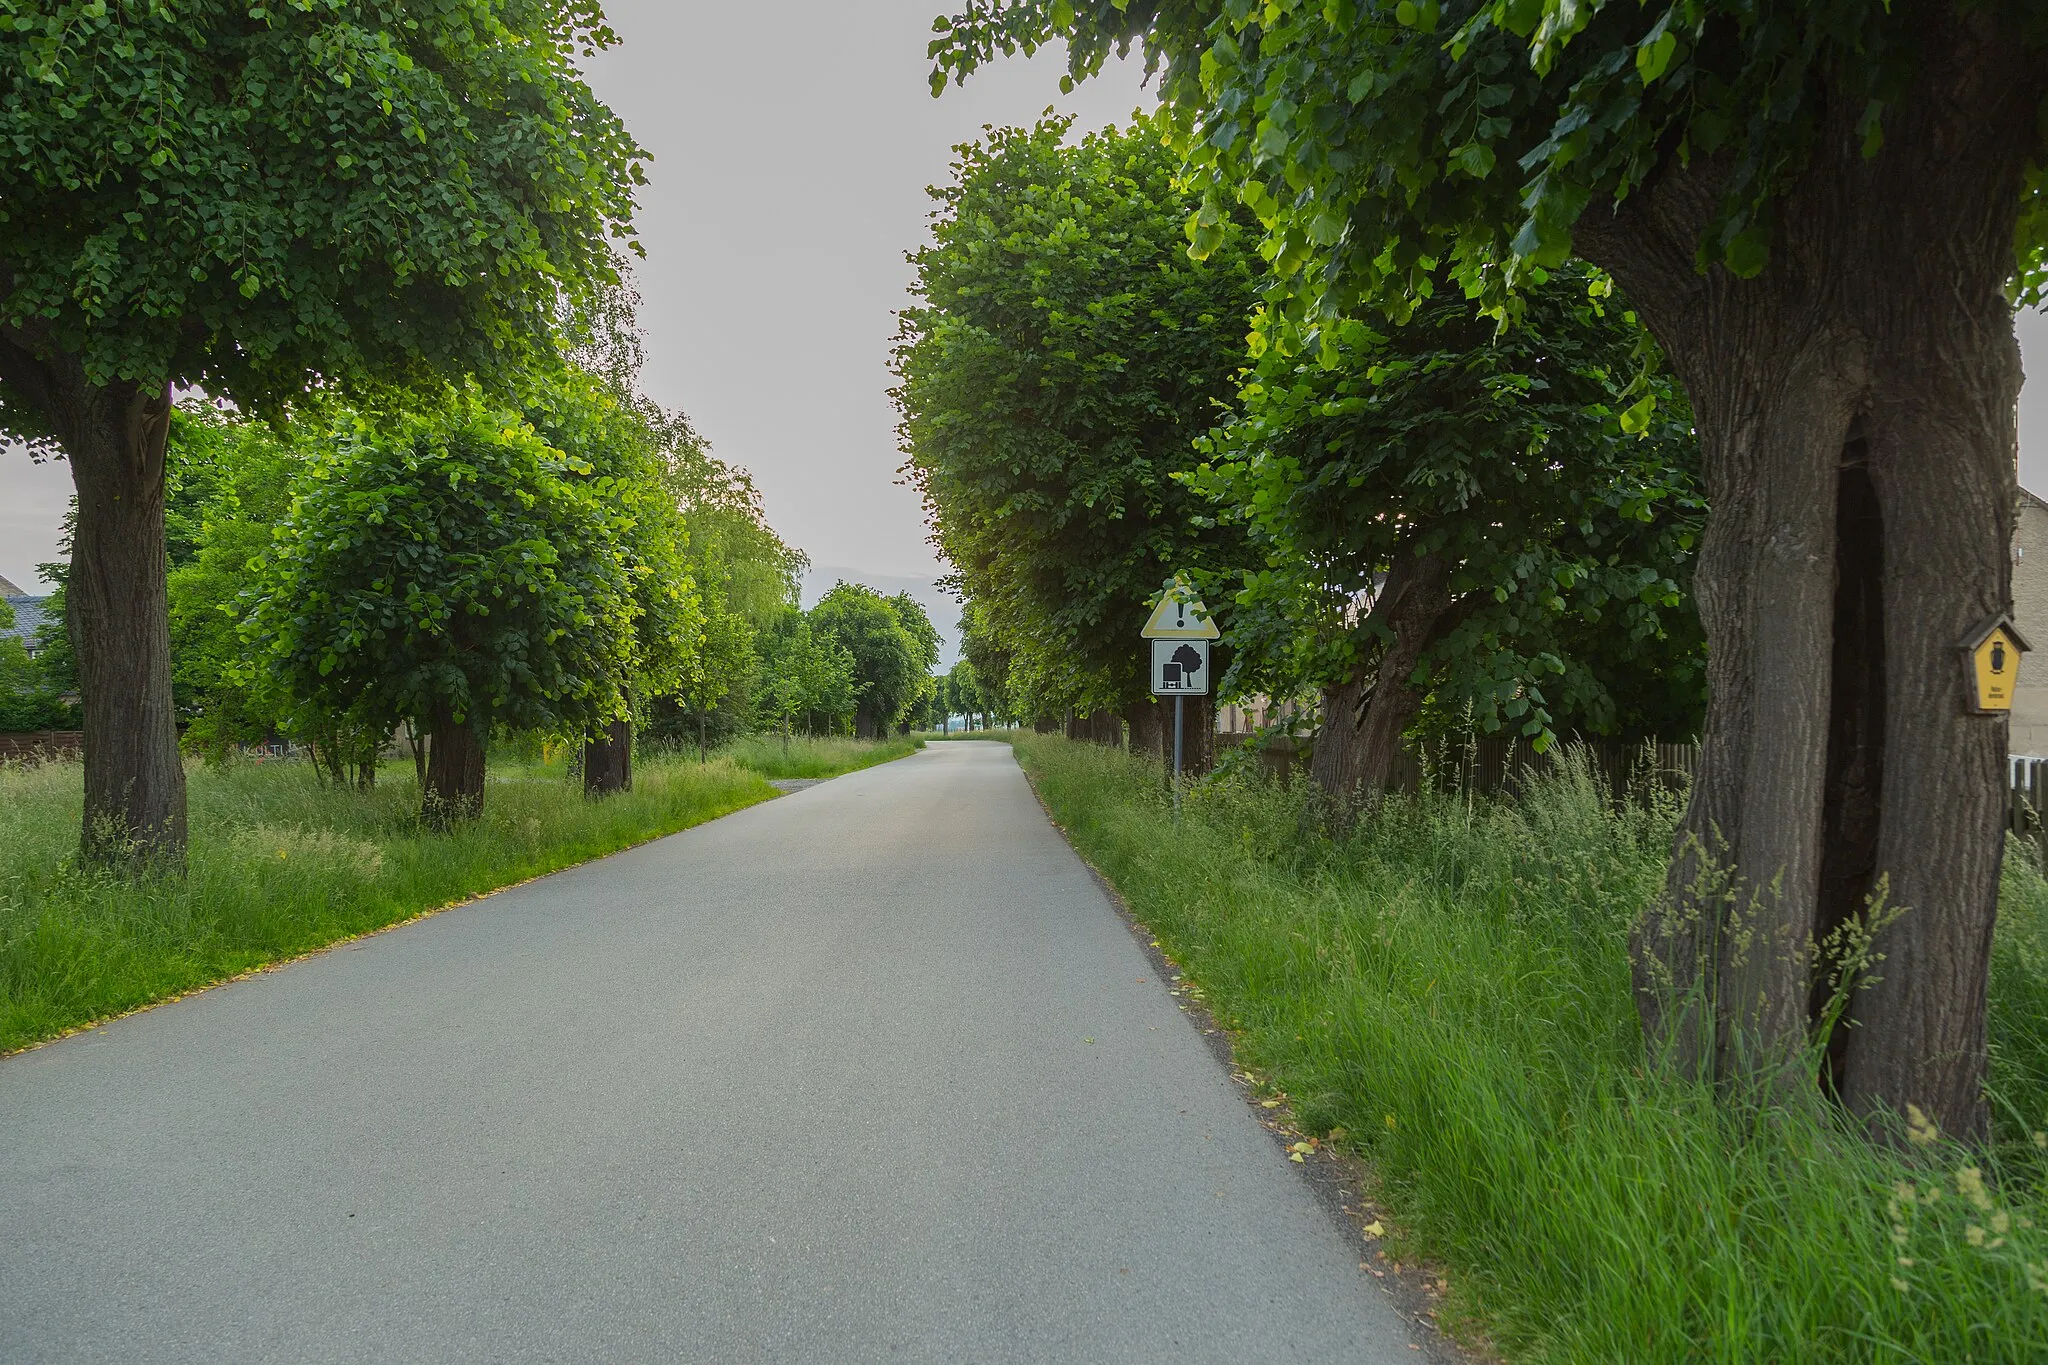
pixel 2030 613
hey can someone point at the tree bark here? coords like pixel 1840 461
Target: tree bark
pixel 1151 731
pixel 117 613
pixel 608 761
pixel 455 772
pixel 1365 715
pixel 1855 404
pixel 1198 735
pixel 119 618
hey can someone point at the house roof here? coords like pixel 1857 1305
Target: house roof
pixel 29 616
pixel 7 588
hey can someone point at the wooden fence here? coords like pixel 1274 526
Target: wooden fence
pixel 1491 765
pixel 2027 801
pixel 1494 765
pixel 40 745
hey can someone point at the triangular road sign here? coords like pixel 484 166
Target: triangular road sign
pixel 1180 615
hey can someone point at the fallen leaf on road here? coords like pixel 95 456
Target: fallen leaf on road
pixel 1269 1104
pixel 1374 1229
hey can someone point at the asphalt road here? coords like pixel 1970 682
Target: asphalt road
pixel 871 1072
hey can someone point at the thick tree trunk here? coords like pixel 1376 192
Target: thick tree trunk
pixel 116 609
pixel 608 762
pixel 1150 728
pixel 120 621
pixel 455 772
pixel 1855 404
pixel 1365 716
pixel 1197 739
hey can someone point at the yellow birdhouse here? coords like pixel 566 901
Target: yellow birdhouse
pixel 1992 655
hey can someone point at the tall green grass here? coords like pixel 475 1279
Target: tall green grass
pixel 1449 987
pixel 281 865
pixel 805 756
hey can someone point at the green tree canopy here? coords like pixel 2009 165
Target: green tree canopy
pixel 917 624
pixel 1063 354
pixel 891 662
pixel 454 570
pixel 1442 508
pixel 746 578
pixel 1377 141
pixel 807 677
pixel 256 200
pixel 229 486
pixel 751 580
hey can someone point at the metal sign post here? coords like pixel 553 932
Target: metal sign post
pixel 1178 703
pixel 1180 630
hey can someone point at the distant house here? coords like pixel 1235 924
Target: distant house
pixel 29 616
pixel 2029 733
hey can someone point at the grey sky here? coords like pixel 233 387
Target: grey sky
pixel 788 180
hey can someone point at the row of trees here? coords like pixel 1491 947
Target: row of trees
pixel 277 206
pixel 857 663
pixel 577 565
pixel 961 692
pixel 386 242
pixel 1433 516
pixel 1823 212
pixel 561 562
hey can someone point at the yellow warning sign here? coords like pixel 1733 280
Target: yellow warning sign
pixel 1180 615
pixel 1994 660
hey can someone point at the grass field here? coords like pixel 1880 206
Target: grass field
pixel 281 865
pixel 1448 992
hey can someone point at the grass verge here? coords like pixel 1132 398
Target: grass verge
pixel 281 866
pixel 802 756
pixel 1447 993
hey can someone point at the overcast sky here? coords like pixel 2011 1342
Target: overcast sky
pixel 791 147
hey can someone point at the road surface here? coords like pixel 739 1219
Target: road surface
pixel 871 1072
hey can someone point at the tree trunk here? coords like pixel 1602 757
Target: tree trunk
pixel 1365 716
pixel 118 615
pixel 1855 403
pixel 455 772
pixel 1151 731
pixel 608 762
pixel 1198 737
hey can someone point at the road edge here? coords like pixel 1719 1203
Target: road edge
pixel 1345 1186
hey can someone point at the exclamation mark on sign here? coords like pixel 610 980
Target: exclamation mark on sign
pixel 1180 615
